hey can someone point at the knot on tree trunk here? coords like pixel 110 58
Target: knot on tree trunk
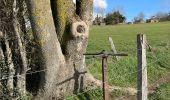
pixel 1 35
pixel 79 29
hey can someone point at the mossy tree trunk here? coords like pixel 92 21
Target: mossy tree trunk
pixel 60 30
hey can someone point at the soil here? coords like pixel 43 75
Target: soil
pixel 165 79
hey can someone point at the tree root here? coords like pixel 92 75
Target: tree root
pixel 92 82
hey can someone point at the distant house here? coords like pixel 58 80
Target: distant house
pixel 152 20
pixel 129 23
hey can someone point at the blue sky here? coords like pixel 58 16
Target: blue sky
pixel 131 8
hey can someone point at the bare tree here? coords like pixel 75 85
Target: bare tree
pixel 162 16
pixel 139 18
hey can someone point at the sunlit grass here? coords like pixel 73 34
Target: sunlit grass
pixel 124 71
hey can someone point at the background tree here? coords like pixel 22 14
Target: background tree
pixel 114 18
pixel 162 16
pixel 139 18
pixel 58 42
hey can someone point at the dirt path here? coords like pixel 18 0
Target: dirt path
pixel 131 91
pixel 163 80
pixel 152 87
pixel 91 81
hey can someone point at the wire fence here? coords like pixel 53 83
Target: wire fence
pixel 72 97
pixel 156 60
pixel 90 89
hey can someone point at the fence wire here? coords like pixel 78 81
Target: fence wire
pixel 148 64
pixel 110 80
pixel 85 91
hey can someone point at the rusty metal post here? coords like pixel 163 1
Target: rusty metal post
pixel 104 55
pixel 105 78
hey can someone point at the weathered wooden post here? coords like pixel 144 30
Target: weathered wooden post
pixel 113 47
pixel 142 68
pixel 104 55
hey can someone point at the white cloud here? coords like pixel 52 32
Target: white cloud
pixel 99 7
pixel 102 4
pixel 74 1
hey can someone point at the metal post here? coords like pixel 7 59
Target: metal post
pixel 105 79
pixel 104 55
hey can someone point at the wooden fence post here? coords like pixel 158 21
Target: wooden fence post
pixel 113 48
pixel 142 90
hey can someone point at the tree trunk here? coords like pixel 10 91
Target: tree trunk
pixel 60 32
pixel 61 39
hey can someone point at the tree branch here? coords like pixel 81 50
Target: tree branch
pixel 84 9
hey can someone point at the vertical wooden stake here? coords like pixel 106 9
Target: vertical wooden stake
pixel 105 79
pixel 113 48
pixel 142 68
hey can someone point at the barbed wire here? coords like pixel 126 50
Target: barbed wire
pixel 130 74
pixel 33 72
pixel 120 97
pixel 113 78
pixel 23 74
pixel 87 66
pixel 165 93
pixel 83 91
pixel 137 70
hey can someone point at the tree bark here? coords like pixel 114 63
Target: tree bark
pixel 61 38
pixel 60 32
pixel 49 50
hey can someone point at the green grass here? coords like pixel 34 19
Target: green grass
pixel 94 94
pixel 162 93
pixel 123 72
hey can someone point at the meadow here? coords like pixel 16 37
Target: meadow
pixel 123 73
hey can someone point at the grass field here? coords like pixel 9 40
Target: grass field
pixel 124 72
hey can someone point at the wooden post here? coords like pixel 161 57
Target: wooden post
pixel 113 48
pixel 142 68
